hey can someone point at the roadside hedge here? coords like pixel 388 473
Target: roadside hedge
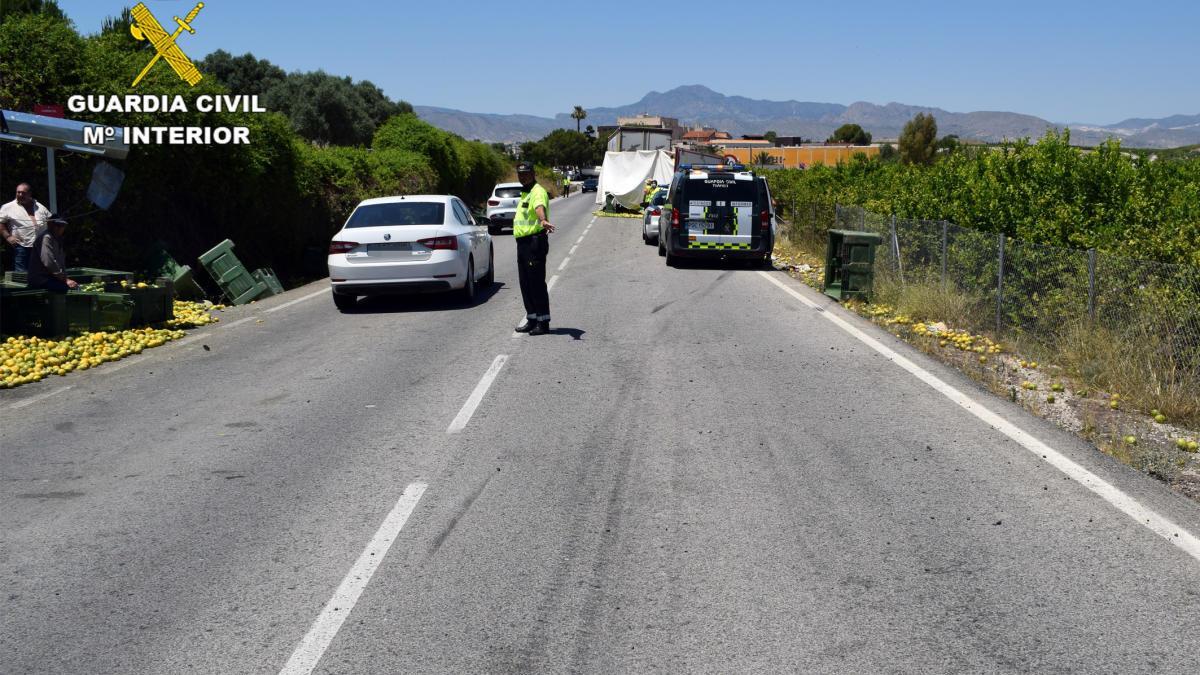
pixel 279 199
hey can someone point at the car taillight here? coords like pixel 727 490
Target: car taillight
pixel 435 243
pixel 655 211
pixel 493 202
pixel 674 219
pixel 341 246
pixel 765 216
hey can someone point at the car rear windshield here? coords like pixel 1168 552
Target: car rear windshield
pixel 508 192
pixel 400 213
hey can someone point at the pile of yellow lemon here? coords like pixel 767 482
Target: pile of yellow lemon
pixel 964 340
pixel 193 314
pixel 30 359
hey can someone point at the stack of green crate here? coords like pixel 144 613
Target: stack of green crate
pixel 267 276
pixel 89 312
pixel 38 312
pixel 151 305
pixel 161 264
pixel 87 275
pixel 235 281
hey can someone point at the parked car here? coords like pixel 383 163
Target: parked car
pixel 502 205
pixel 590 185
pixel 718 211
pixel 409 244
pixel 651 215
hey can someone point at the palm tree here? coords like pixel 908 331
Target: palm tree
pixel 764 158
pixel 578 115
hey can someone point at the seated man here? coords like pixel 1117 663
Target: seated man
pixel 48 262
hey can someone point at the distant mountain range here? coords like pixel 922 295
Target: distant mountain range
pixel 696 104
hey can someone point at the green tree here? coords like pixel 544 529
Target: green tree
pixel 408 132
pixel 563 147
pixel 887 153
pixel 50 8
pixel 332 110
pixel 764 158
pixel 579 114
pixel 948 143
pixel 771 136
pixel 850 133
pixel 243 74
pixel 41 60
pixel 918 140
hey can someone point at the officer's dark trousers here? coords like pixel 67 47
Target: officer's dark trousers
pixel 531 264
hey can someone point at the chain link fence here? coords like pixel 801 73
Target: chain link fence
pixel 1148 310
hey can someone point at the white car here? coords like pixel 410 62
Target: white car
pixel 502 205
pixel 409 244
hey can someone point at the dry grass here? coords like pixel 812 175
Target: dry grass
pixel 1137 368
pixel 930 302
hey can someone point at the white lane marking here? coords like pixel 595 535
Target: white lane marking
pixel 1144 516
pixel 292 302
pixel 553 280
pixel 40 397
pixel 564 262
pixel 572 251
pixel 468 409
pixel 579 240
pixel 310 650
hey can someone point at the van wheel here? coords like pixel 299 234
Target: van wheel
pixel 672 260
pixel 344 302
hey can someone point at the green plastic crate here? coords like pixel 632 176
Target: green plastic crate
pixel 160 263
pixel 267 276
pixel 89 312
pixel 38 312
pixel 235 281
pixel 151 305
pixel 87 275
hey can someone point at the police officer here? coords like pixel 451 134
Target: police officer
pixel 531 224
pixel 566 185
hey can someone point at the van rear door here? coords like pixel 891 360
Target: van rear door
pixel 719 211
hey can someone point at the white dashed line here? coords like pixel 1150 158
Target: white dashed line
pixel 476 397
pixel 564 263
pixel 310 650
pixel 553 280
pixel 572 251
pixel 1144 516
pixel 292 302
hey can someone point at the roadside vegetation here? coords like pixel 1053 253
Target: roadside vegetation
pixel 1128 376
pixel 328 143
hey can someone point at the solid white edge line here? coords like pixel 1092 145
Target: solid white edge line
pixel 292 302
pixel 310 650
pixel 553 280
pixel 40 397
pixel 1145 516
pixel 564 263
pixel 473 401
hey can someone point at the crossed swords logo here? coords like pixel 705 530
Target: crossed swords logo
pixel 146 27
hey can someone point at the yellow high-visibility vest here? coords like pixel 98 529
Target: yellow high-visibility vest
pixel 525 220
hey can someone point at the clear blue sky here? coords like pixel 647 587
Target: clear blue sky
pixel 1069 61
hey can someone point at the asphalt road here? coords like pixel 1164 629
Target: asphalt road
pixel 696 472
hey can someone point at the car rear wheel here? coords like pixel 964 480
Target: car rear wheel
pixel 490 278
pixel 344 302
pixel 662 247
pixel 467 294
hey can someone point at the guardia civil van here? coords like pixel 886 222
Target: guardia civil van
pixel 719 211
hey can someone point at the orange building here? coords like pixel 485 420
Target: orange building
pixel 803 156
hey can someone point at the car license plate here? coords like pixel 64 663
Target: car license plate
pixel 391 246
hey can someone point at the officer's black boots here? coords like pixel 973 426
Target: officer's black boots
pixel 541 328
pixel 528 326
